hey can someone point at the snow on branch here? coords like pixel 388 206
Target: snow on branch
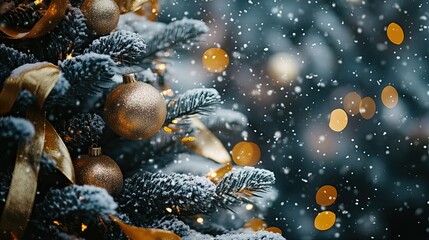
pixel 173 35
pixel 122 46
pixel 194 101
pixel 242 183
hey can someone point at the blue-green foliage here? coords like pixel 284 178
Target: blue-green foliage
pixel 122 46
pixel 194 101
pixel 10 59
pixel 88 75
pixel 16 129
pixel 157 194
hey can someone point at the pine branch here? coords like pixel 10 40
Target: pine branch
pixel 206 227
pixel 21 17
pixel 70 34
pixel 122 46
pixel 194 101
pixel 225 120
pixel 239 184
pixel 171 223
pixel 89 74
pixel 73 206
pixel 155 194
pixel 10 59
pixel 259 235
pixel 16 129
pixel 81 131
pixel 175 34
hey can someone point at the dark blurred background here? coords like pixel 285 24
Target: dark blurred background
pixel 325 49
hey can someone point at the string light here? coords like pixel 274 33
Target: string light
pixel 249 207
pixel 37 2
pixel 200 220
pixel 84 227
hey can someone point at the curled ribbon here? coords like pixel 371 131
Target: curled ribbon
pixel 39 80
pixel 207 144
pixel 54 14
pixel 137 233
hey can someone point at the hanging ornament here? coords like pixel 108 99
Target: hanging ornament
pixel 102 15
pixel 135 110
pixel 98 170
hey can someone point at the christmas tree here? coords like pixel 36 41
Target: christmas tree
pixel 92 75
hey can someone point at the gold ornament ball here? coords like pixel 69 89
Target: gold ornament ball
pixel 102 15
pixel 98 170
pixel 135 110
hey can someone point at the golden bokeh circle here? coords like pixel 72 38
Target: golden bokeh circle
pixel 246 154
pixel 395 33
pixel 389 97
pixel 274 230
pixel 367 108
pixel 324 220
pixel 215 60
pixel 351 103
pixel 256 224
pixel 338 120
pixel 326 195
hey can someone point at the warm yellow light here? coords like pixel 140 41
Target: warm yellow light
pixel 37 2
pixel 188 139
pixel 84 227
pixel 200 220
pixel 249 207
pixel 169 210
pixel 167 129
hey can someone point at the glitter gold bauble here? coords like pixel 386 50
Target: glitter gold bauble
pixel 135 110
pixel 215 60
pixel 102 16
pixel 246 154
pixel 324 220
pixel 98 170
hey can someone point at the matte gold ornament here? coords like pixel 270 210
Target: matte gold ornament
pixel 135 110
pixel 98 170
pixel 102 15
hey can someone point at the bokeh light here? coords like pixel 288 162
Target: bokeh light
pixel 389 97
pixel 215 60
pixel 324 220
pixel 367 108
pixel 326 195
pixel 338 120
pixel 351 103
pixel 395 33
pixel 246 154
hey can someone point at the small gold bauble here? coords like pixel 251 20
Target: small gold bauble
pixel 98 170
pixel 102 15
pixel 135 110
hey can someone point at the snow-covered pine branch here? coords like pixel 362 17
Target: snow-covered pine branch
pixel 122 46
pixel 194 101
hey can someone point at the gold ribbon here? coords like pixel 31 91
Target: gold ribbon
pixel 39 80
pixel 207 144
pixel 54 14
pixel 138 233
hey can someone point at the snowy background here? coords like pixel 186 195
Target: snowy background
pixel 379 166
